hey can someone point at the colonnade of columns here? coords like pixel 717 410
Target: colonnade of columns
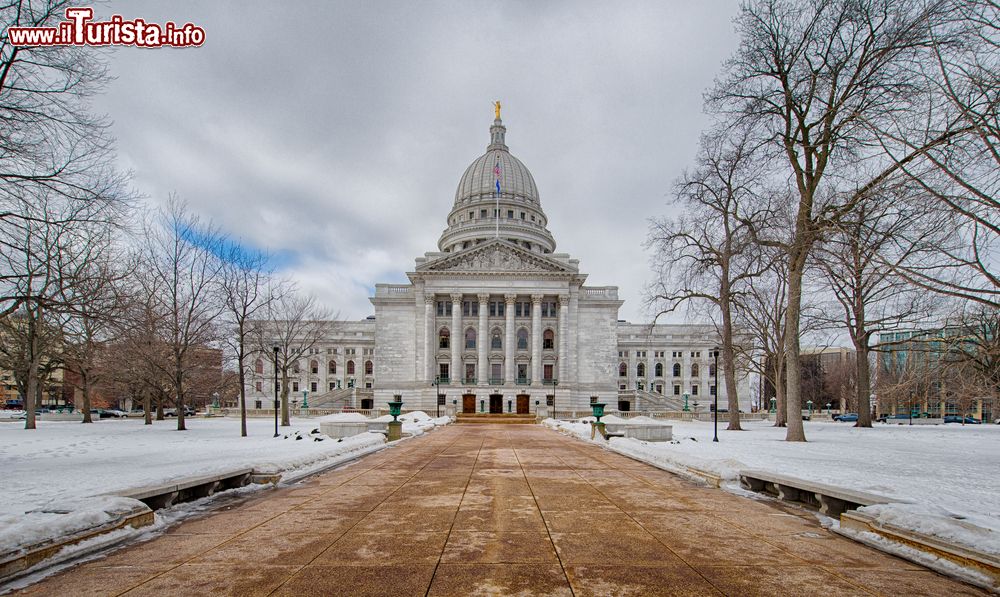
pixel 483 338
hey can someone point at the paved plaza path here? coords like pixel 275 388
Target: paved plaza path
pixel 499 509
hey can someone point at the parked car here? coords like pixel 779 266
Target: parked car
pixel 846 418
pixel 172 412
pixel 112 413
pixel 959 419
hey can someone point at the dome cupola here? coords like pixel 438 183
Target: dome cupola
pixel 497 197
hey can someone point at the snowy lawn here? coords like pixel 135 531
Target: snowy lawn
pixel 60 465
pixel 950 473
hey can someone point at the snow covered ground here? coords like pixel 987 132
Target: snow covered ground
pixel 949 473
pixel 50 474
pixel 414 423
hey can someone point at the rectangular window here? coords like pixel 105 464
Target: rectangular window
pixel 496 373
pixel 259 386
pixel 482 213
pixel 443 309
pixel 510 214
pixel 443 370
pixel 711 390
pixel 694 390
pixel 332 385
pixel 677 390
pixel 312 387
pixel 522 372
pixel 295 386
pixel 470 372
pixel 550 400
pixel 547 372
pixel 522 215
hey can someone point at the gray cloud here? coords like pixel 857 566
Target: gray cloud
pixel 338 131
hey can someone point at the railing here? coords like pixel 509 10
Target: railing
pixel 496 381
pixel 550 381
pixel 524 381
pixel 442 379
pixel 469 381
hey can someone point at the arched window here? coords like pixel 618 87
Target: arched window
pixel 694 370
pixel 658 370
pixel 332 367
pixel 444 338
pixel 548 340
pixel 295 367
pixel 314 366
pixel 640 370
pixel 369 368
pixel 350 367
pixel 711 370
pixel 258 366
pixel 622 370
pixel 522 339
pixel 677 369
pixel 496 343
pixel 470 338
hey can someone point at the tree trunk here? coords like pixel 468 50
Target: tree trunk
pixel 179 401
pixel 728 361
pixel 780 418
pixel 159 406
pixel 147 407
pixel 86 400
pixel 284 399
pixel 864 385
pixel 243 393
pixel 31 389
pixel 793 367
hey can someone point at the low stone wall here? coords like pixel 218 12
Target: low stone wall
pixel 648 433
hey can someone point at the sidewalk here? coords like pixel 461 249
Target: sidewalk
pixel 506 509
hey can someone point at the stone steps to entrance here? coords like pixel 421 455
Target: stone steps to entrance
pixel 494 418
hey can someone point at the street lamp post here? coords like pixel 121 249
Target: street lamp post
pixel 275 391
pixel 715 354
pixel 437 394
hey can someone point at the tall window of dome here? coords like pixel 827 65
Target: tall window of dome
pixel 350 367
pixel 622 370
pixel 677 369
pixel 332 367
pixel 640 370
pixel 444 338
pixel 694 370
pixel 496 342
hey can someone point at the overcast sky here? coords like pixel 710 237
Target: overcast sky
pixel 333 134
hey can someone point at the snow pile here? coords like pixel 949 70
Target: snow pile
pixel 60 518
pixel 947 473
pixel 342 418
pixel 416 422
pixel 12 414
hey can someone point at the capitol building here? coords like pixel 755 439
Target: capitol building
pixel 497 320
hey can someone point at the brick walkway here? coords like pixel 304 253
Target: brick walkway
pixel 499 509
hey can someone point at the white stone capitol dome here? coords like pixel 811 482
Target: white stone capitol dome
pixel 473 218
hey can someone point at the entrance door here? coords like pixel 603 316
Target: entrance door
pixel 624 405
pixel 367 403
pixel 522 404
pixel 496 403
pixel 468 403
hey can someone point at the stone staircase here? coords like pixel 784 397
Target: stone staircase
pixel 333 399
pixel 496 418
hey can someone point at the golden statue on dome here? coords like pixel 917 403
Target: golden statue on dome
pixel 496 107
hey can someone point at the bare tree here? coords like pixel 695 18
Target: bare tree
pixel 708 254
pixel 245 291
pixel 52 150
pixel 183 291
pixel 870 297
pixel 294 325
pixel 822 81
pixel 761 313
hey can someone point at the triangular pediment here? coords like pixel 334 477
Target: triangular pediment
pixel 497 256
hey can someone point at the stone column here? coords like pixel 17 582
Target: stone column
pixel 536 339
pixel 508 347
pixel 649 370
pixel 430 349
pixel 573 350
pixel 457 338
pixel 483 339
pixel 561 338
